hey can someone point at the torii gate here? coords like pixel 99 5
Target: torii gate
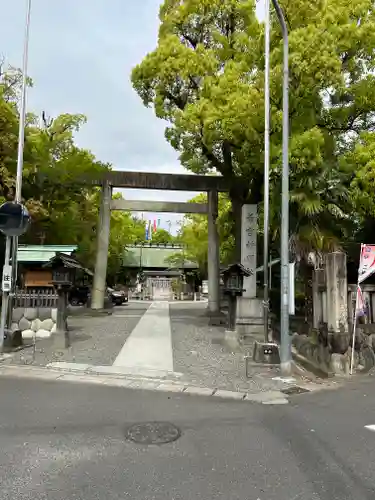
pixel 172 182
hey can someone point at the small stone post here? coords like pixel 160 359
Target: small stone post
pixel 318 282
pixel 337 300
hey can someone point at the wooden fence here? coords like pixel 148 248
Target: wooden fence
pixel 37 297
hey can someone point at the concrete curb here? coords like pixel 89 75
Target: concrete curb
pixel 140 383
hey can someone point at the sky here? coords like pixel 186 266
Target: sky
pixel 81 55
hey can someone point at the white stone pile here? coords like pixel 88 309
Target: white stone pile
pixel 39 322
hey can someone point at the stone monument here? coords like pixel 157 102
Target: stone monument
pixel 249 307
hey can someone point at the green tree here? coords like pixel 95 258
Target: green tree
pixel 63 210
pixel 193 235
pixel 125 230
pixel 206 79
pixel 8 132
pixel 162 236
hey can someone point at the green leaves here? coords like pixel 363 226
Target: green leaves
pixel 206 78
pixel 361 161
pixel 162 237
pixel 192 78
pixel 193 234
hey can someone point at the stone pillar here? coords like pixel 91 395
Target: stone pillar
pixel 318 282
pixel 337 292
pixel 99 285
pixel 213 255
pixel 61 337
pixel 249 308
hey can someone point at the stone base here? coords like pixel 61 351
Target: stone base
pixel 250 326
pixel 249 307
pixel 340 364
pixel 216 318
pixel 60 340
pixel 231 340
pixel 250 318
pixel 12 340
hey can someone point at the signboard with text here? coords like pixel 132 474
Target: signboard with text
pixel 6 285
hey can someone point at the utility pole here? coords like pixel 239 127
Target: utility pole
pixel 266 170
pixel 285 348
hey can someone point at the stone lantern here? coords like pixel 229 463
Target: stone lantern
pixel 62 276
pixel 233 287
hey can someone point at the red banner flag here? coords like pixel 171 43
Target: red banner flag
pixel 360 308
pixel 366 262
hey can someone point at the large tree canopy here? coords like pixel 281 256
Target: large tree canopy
pixel 206 78
pixel 63 210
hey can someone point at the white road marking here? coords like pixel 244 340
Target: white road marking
pixel 370 427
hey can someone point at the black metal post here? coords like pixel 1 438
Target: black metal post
pixel 232 306
pixel 61 320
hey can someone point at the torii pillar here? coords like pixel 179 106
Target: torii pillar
pixel 213 255
pixel 100 276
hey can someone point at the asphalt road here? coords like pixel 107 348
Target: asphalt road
pixel 62 440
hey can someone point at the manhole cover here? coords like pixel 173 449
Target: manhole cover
pixel 294 390
pixel 153 433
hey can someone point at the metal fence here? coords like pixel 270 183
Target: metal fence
pixel 37 297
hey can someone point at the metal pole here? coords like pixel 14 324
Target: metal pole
pixel 21 132
pixel 266 169
pixel 5 297
pixel 285 348
pixel 18 195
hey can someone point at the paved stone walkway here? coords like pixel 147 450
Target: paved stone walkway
pixel 149 345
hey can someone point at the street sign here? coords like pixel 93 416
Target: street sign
pixel 7 278
pixel 14 218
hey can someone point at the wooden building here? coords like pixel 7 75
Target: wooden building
pixel 32 259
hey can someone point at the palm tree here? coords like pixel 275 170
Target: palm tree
pixel 320 219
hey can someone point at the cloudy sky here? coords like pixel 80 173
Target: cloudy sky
pixel 80 58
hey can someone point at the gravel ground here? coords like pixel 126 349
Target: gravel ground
pixel 87 339
pixel 199 351
pixel 201 355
